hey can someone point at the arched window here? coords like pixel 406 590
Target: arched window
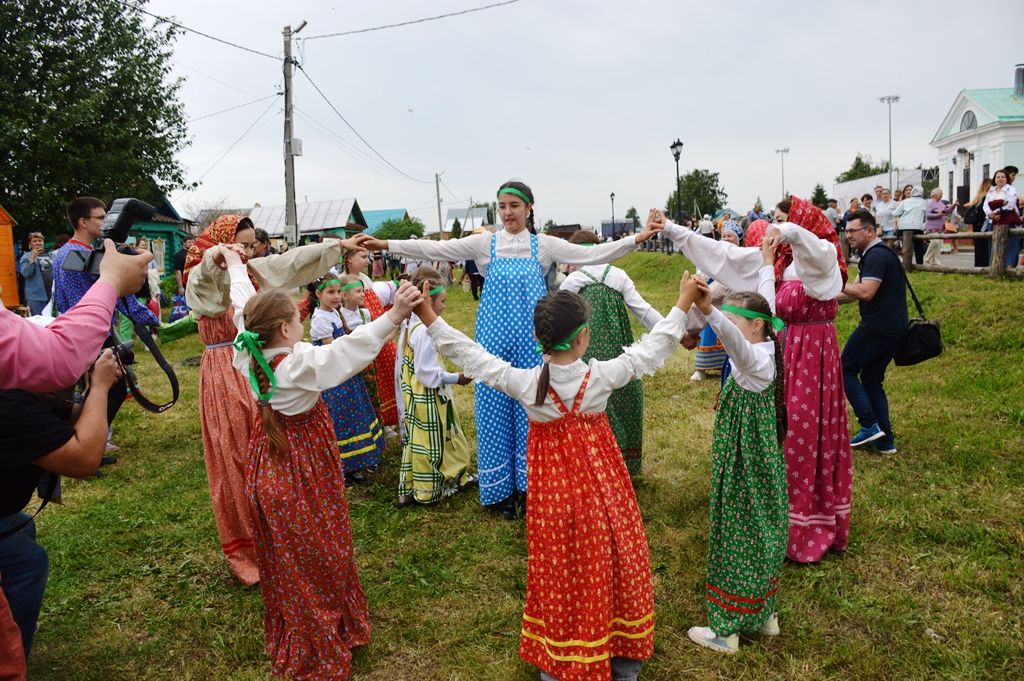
pixel 969 121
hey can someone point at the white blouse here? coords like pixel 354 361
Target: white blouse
pixel 322 323
pixel 753 364
pixel 641 358
pixel 355 318
pixel 814 260
pixel 1008 193
pixel 308 369
pixel 695 319
pixel 477 247
pixel 619 281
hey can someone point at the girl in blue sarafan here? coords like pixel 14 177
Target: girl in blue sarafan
pixel 512 261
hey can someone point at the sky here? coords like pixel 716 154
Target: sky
pixel 578 99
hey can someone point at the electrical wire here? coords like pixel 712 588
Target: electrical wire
pixel 450 192
pixel 356 132
pixel 235 143
pixel 192 30
pixel 413 21
pixel 237 106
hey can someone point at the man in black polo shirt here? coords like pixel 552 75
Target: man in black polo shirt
pixel 34 440
pixel 880 290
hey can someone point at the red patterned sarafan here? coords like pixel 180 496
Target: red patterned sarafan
pixel 315 611
pixel 589 596
pixel 384 400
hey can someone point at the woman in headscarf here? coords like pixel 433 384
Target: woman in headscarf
pixel 910 215
pixel 809 274
pixel 226 405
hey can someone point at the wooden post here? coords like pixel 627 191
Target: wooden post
pixel 908 249
pixel 999 238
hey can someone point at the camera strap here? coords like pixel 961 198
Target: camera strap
pixel 51 487
pixel 149 342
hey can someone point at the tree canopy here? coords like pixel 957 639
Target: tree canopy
pixel 456 229
pixel 400 229
pixel 698 188
pixel 818 197
pixel 631 214
pixel 89 107
pixel 862 168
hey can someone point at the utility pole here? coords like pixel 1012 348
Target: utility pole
pixel 890 100
pixel 437 189
pixel 291 229
pixel 782 157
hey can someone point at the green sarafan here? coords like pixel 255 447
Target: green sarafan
pixel 929 589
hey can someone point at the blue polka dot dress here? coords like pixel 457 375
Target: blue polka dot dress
pixel 504 327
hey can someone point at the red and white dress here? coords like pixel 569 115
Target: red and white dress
pixel 379 297
pixel 589 597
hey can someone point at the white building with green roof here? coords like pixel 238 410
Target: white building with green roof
pixel 983 132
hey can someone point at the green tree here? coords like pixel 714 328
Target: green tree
pixel 700 188
pixel 492 208
pixel 89 107
pixel 549 225
pixel 631 214
pixel 861 168
pixel 818 197
pixel 400 229
pixel 456 229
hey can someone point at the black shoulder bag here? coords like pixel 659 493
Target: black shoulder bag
pixel 923 340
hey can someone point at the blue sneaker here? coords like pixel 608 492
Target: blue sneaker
pixel 885 446
pixel 866 435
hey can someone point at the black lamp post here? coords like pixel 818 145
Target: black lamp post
pixel 677 151
pixel 613 213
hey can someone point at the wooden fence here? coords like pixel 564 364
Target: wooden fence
pixel 999 236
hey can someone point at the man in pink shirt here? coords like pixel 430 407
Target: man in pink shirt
pixel 41 359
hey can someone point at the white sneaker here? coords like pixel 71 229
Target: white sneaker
pixel 703 636
pixel 771 627
pixel 698 376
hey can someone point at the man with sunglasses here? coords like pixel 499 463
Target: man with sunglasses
pixel 880 290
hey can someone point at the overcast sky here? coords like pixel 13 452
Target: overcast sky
pixel 578 99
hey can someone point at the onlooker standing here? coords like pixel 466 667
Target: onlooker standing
pixel 261 246
pixel 756 214
pixel 179 264
pixel 476 280
pixel 880 290
pixel 935 223
pixel 844 243
pixel 910 215
pixel 832 213
pixel 1002 207
pixel 706 226
pixel 866 202
pixel 34 266
pixel 974 215
pixel 879 190
pixel 884 208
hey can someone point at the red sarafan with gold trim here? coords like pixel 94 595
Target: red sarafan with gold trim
pixel 589 595
pixel 385 397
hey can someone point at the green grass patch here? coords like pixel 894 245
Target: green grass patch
pixel 930 587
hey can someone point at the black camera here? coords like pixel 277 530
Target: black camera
pixel 124 354
pixel 122 215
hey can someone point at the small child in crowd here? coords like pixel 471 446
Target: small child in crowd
pixel 359 434
pixel 315 609
pixel 589 610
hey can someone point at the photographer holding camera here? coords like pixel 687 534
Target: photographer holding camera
pixel 34 440
pixel 86 216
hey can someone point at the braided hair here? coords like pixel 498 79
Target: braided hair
pixel 750 300
pixel 521 186
pixel 555 317
pixel 264 314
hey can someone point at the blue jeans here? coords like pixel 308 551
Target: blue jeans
pixel 36 306
pixel 24 568
pixel 866 355
pixel 1012 251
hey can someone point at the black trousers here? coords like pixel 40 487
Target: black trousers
pixel 919 246
pixel 476 285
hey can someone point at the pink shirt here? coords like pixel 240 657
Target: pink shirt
pixel 39 359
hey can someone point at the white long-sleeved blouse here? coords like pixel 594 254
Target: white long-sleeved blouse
pixel 753 364
pixel 477 247
pixel 308 369
pixel 617 280
pixel 695 319
pixel 641 358
pixel 814 260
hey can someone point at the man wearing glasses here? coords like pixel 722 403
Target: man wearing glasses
pixel 880 290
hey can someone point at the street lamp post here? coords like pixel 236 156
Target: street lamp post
pixel 613 213
pixel 677 150
pixel 890 100
pixel 782 156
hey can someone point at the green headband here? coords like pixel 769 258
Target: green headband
pixel 567 343
pixel 437 289
pixel 776 323
pixel 249 341
pixel 513 190
pixel 351 284
pixel 327 282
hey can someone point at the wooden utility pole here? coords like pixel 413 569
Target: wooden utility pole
pixel 291 229
pixel 437 189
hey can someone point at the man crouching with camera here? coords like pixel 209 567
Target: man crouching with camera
pixel 36 445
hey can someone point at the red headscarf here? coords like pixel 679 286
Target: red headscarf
pixel 808 216
pixel 221 231
pixel 755 232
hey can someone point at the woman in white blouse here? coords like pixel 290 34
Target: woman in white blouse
pixel 513 260
pixel 1001 208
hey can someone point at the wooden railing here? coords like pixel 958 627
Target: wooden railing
pixel 999 236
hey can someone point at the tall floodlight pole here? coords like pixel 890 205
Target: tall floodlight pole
pixel 613 212
pixel 889 100
pixel 677 150
pixel 291 229
pixel 782 157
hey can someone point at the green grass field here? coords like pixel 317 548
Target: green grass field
pixel 930 587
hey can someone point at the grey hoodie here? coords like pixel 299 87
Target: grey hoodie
pixel 911 212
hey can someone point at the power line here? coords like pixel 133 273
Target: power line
pixel 356 132
pixel 235 143
pixel 192 30
pixel 237 106
pixel 451 193
pixel 413 21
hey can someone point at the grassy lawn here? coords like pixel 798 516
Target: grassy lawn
pixel 930 587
